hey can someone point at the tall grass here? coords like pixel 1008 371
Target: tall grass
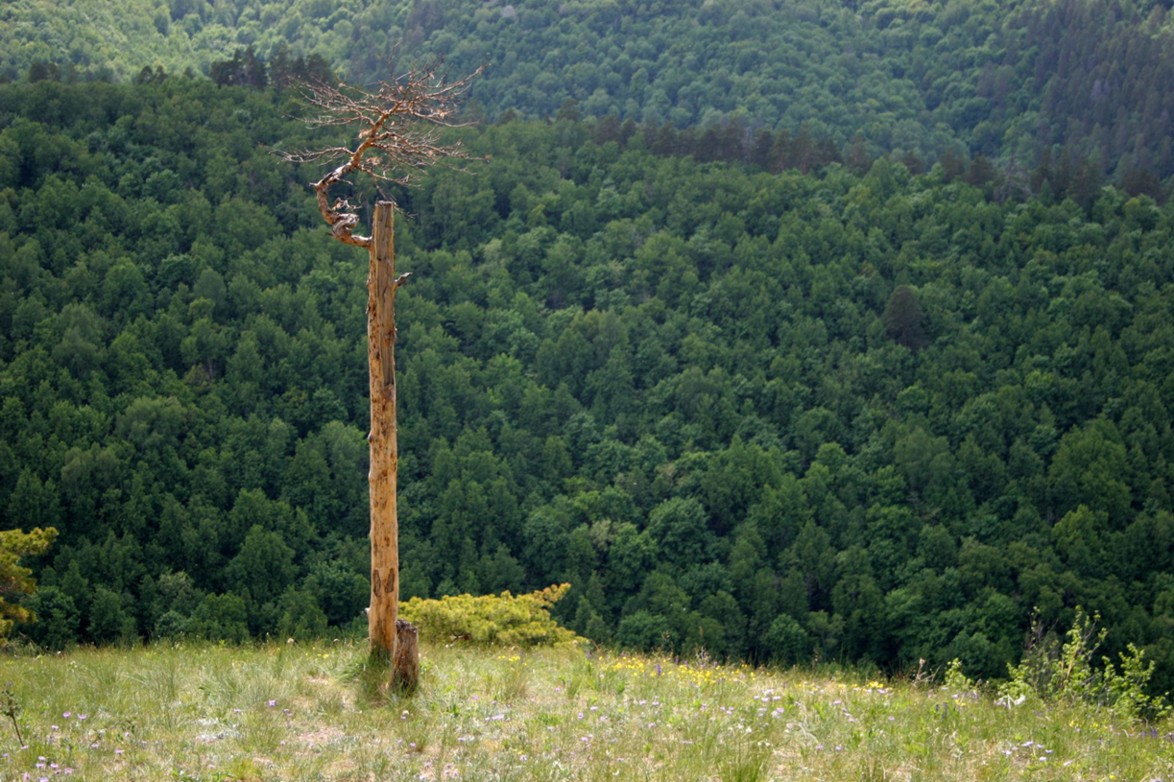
pixel 300 712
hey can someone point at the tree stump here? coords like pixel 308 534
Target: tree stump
pixel 405 676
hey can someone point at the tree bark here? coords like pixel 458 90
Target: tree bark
pixel 406 668
pixel 384 452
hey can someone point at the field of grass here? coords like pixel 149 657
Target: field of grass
pixel 300 712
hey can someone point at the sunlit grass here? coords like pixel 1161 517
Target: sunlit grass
pixel 299 712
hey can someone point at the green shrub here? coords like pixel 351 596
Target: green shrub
pixel 645 632
pixel 109 620
pixel 1053 671
pixel 57 619
pixel 492 620
pixel 220 618
pixel 786 642
pixel 300 616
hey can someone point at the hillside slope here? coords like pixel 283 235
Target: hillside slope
pixel 295 712
pixel 1015 82
pixel 775 416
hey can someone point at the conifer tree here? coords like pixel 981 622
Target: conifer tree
pixel 16 580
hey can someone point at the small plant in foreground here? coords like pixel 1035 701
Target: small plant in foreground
pixel 955 680
pixel 11 708
pixel 1051 671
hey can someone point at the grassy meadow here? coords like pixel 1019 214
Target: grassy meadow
pixel 302 712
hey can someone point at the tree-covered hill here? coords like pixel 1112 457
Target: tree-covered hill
pixel 1078 84
pixel 774 415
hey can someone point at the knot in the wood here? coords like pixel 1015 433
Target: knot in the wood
pixel 343 224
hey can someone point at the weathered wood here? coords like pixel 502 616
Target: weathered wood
pixel 406 666
pixel 384 451
pixel 393 139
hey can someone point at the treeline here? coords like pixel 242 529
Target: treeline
pixel 1012 83
pixel 778 416
pixel 1065 174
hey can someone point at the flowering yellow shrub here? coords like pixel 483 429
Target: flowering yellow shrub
pixel 492 620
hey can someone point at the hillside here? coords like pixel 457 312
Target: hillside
pixel 775 416
pixel 1076 84
pixel 294 712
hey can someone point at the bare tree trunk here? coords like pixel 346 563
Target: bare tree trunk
pixel 393 139
pixel 382 478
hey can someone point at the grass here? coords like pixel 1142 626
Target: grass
pixel 301 712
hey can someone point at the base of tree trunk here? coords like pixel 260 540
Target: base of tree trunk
pixel 405 672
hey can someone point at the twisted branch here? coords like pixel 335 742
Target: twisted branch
pixel 397 123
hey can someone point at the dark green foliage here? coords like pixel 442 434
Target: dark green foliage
pixel 1059 97
pixel 108 619
pixel 219 618
pixel 56 627
pixel 903 319
pixel 299 615
pixel 243 70
pixel 672 383
pixel 786 642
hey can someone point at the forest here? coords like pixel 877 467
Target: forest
pixel 1080 83
pixel 847 411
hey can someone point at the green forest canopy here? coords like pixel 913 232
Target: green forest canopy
pixel 1082 84
pixel 875 417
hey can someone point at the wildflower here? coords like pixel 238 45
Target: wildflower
pixel 272 704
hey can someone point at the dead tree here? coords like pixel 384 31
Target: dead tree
pixel 397 133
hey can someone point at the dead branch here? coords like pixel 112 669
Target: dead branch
pixel 397 134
